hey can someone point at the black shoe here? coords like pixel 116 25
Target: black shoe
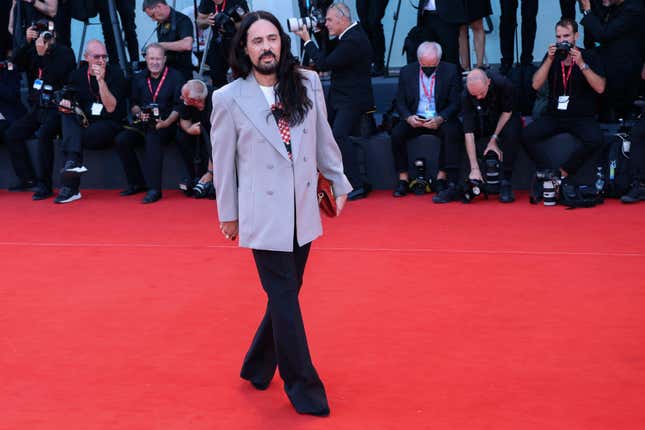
pixel 447 195
pixel 506 192
pixel 28 185
pixel 401 189
pixel 260 385
pixel 151 196
pixel 67 195
pixel 439 185
pixel 132 190
pixel 187 185
pixel 73 169
pixel 360 192
pixel 635 194
pixel 324 412
pixel 42 192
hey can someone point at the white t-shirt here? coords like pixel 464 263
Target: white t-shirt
pixel 431 5
pixel 269 94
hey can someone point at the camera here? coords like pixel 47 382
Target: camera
pixel 227 21
pixel 6 64
pixel 314 22
pixel 45 28
pixel 562 49
pixel 492 172
pixel 46 96
pixel 421 183
pixel 472 189
pixel 68 92
pixel 152 110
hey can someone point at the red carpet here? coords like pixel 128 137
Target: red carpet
pixel 116 315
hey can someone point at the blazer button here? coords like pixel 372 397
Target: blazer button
pixel 308 183
pixel 304 158
pixel 304 130
pixel 270 192
pixel 269 166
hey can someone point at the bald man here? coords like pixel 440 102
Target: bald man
pixel 491 126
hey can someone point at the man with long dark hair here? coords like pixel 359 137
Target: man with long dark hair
pixel 270 136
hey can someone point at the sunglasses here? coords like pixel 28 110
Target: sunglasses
pixel 99 57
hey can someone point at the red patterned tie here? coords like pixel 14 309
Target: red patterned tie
pixel 283 126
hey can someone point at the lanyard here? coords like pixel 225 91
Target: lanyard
pixel 156 93
pixel 566 77
pixel 221 8
pixel 89 84
pixel 40 74
pixel 430 93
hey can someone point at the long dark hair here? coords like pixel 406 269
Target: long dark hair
pixel 290 90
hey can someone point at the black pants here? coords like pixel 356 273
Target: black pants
pixel 509 141
pixel 445 33
pixel 507 25
pixel 126 10
pixel 370 14
pixel 63 23
pixel 195 152
pixel 154 142
pixel 568 9
pixel 98 135
pixel 637 153
pixel 451 135
pixel 343 121
pixel 218 61
pixel 4 125
pixel 280 339
pixel 46 124
pixel 585 129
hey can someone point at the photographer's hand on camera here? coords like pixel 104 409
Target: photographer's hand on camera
pixel 475 174
pixel 303 33
pixel 31 34
pixel 493 146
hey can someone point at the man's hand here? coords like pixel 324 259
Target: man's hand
pixel 210 19
pixel 229 229
pixel 551 51
pixel 99 72
pixel 493 146
pixel 434 123
pixel 143 117
pixel 304 34
pixel 475 173
pixel 415 121
pixel 340 203
pixel 576 56
pixel 31 35
pixel 195 129
pixel 162 124
pixel 585 5
pixel 65 104
pixel 41 46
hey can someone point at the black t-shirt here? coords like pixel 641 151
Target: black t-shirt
pixel 177 27
pixel 88 91
pixel 53 68
pixel 194 115
pixel 583 100
pixel 482 115
pixel 169 93
pixel 208 6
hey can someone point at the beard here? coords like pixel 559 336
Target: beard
pixel 266 69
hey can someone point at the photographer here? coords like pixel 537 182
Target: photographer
pixel 174 34
pixel 428 102
pixel 25 12
pixel 223 17
pixel 97 89
pixel 155 99
pixel 576 79
pixel 194 138
pixel 487 109
pixel 612 28
pixel 48 66
pixel 350 93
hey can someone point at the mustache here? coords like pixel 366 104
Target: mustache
pixel 267 54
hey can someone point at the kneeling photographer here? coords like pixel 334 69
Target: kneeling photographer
pixel 48 66
pixel 94 108
pixel 488 114
pixel 223 17
pixel 155 98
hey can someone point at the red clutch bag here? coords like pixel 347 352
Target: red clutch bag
pixel 326 199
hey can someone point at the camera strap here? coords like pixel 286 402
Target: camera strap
pixel 155 94
pixel 221 8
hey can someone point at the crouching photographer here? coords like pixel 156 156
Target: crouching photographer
pixel 223 17
pixel 194 139
pixel 48 66
pixel 488 113
pixel 99 94
pixel 155 98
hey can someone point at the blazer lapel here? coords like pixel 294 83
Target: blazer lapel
pixel 249 99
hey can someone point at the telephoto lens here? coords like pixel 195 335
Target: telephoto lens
pixel 550 188
pixel 492 172
pixel 421 183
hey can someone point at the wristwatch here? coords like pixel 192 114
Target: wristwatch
pixel 584 67
pixel 586 12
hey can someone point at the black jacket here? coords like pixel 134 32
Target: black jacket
pixel 349 63
pixel 10 105
pixel 88 92
pixel 453 11
pixel 447 91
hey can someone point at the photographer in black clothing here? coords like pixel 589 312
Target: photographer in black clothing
pixel 575 78
pixel 613 31
pixel 370 14
pixel 98 90
pixel 25 12
pixel 222 16
pixel 48 66
pixel 126 10
pixel 488 113
pixel 317 9
pixel 194 138
pixel 174 34
pixel 155 98
pixel 350 93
